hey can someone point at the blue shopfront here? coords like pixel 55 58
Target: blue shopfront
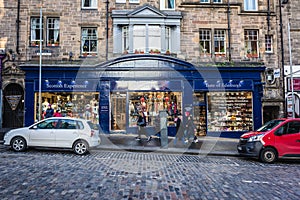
pixel 223 101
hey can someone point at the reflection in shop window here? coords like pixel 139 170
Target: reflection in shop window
pixel 151 103
pixel 229 111
pixel 72 104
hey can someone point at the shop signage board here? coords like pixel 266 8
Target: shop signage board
pixel 67 85
pixel 217 85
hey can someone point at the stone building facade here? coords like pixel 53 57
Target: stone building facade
pixel 202 32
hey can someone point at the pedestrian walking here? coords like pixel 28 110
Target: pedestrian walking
pixel 179 130
pixel 141 123
pixel 190 128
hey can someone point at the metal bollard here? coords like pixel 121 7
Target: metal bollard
pixel 163 129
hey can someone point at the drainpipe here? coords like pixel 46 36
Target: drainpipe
pixel 107 4
pixel 18 28
pixel 282 57
pixel 229 32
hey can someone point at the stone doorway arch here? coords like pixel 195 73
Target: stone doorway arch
pixel 13 106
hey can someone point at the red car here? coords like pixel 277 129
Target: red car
pixel 278 138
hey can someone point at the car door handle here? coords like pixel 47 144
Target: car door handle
pixel 297 140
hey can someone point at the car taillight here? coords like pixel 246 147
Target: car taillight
pixel 92 133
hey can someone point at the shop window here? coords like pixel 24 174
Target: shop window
pixel 205 41
pixel 220 41
pixel 251 43
pixel 167 4
pixel 250 5
pixel 35 30
pixel 268 43
pixel 89 41
pixel 52 31
pixel 89 3
pixel 151 103
pixel 229 111
pixel 72 104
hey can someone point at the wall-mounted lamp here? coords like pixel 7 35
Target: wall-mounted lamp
pixel 270 76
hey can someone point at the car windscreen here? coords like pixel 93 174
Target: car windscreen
pixel 269 125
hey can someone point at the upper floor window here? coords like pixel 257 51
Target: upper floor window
pixel 36 31
pixel 251 43
pixel 53 31
pixel 250 5
pixel 268 43
pixel 207 1
pixel 89 41
pixel 167 4
pixel 134 1
pixel 205 41
pixel 89 3
pixel 120 1
pixel 220 41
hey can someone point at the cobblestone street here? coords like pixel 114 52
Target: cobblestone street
pixel 42 174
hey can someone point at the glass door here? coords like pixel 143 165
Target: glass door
pixel 118 111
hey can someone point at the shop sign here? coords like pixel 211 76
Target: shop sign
pixel 67 85
pixel 13 100
pixel 45 52
pixel 224 84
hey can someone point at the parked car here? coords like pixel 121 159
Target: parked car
pixel 58 132
pixel 277 138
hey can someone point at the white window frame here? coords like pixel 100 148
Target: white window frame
pixel 53 30
pixel 35 31
pixel 269 43
pixel 219 37
pixel 89 40
pixel 250 5
pixel 125 39
pixel 92 4
pixel 218 1
pixel 205 41
pixel 204 1
pixel 134 1
pixel 163 5
pixel 251 42
pixel 120 1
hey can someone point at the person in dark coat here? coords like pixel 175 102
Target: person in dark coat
pixel 49 112
pixel 141 123
pixel 179 130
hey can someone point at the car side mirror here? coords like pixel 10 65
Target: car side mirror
pixel 34 127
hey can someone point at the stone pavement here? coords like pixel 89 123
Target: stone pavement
pixel 206 145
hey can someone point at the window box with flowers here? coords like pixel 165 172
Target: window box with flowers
pixel 35 43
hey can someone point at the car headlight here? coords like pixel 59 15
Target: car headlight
pixel 255 138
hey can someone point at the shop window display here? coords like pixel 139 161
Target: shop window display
pixel 73 104
pixel 230 111
pixel 152 103
pixel 199 113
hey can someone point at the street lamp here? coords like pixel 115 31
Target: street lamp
pixel 40 66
